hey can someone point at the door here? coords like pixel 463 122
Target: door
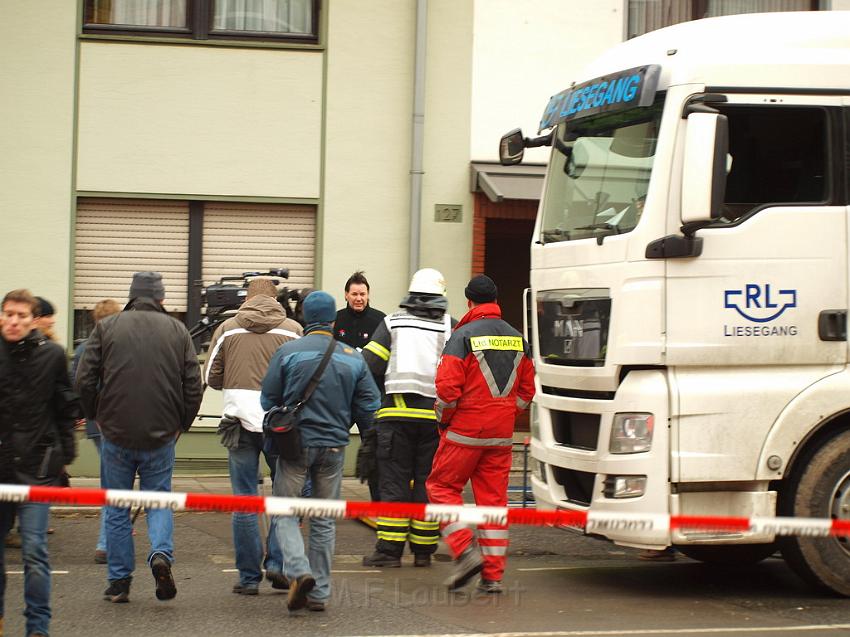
pixel 743 318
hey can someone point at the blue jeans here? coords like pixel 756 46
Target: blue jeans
pixel 101 536
pixel 324 467
pixel 32 521
pixel 244 463
pixel 118 468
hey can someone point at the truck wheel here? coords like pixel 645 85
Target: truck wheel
pixel 729 554
pixel 822 490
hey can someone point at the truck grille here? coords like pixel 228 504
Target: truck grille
pixel 574 429
pixel 578 485
pixel 573 326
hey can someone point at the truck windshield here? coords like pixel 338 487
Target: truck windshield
pixel 599 174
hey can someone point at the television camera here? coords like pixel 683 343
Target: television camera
pixel 221 300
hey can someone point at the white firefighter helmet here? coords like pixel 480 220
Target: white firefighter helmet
pixel 428 281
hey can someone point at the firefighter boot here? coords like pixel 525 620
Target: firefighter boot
pixel 382 560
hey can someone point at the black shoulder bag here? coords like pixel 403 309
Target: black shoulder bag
pixel 280 422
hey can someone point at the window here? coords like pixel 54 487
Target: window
pixel 649 15
pixel 780 155
pixel 289 20
pixel 599 174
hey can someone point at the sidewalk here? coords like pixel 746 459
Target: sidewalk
pixel 351 489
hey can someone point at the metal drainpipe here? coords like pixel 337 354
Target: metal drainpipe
pixel 417 147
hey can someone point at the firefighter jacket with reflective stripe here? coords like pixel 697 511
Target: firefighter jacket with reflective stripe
pixel 485 378
pixel 403 353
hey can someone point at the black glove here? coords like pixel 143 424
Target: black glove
pixel 367 461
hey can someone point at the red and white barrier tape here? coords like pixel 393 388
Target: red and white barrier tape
pixel 592 522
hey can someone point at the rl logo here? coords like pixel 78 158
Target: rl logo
pixel 759 297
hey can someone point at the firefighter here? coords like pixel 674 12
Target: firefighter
pixel 403 355
pixel 485 378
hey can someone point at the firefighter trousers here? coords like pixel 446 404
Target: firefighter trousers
pixel 405 451
pixel 488 467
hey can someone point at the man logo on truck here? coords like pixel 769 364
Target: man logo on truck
pixel 755 296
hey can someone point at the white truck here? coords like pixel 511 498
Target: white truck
pixel 689 286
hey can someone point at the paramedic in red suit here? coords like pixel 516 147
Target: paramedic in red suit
pixel 485 378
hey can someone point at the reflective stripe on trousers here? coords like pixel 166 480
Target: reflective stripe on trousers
pixel 394 532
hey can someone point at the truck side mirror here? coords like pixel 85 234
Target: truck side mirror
pixel 704 170
pixel 511 148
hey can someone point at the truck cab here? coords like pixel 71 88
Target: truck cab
pixel 689 287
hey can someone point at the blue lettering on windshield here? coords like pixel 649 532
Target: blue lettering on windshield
pixel 627 89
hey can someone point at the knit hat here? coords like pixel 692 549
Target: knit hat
pixel 148 285
pixel 481 289
pixel 45 307
pixel 319 307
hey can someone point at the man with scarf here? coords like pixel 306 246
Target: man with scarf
pixel 403 356
pixel 37 414
pixel 485 378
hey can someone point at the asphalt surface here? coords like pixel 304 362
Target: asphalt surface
pixel 559 583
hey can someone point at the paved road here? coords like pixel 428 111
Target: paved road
pixel 559 584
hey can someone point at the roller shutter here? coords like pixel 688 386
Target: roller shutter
pixel 117 237
pixel 255 237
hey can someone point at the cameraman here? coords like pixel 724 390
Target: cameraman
pixel 240 350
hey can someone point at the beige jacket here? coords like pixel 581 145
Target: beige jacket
pixel 240 350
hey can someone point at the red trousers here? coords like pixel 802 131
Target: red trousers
pixel 488 468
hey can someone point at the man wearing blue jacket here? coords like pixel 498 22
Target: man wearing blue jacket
pixel 346 393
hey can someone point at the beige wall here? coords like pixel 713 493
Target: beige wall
pixel 522 57
pixel 448 92
pixel 367 139
pixel 38 51
pixel 199 120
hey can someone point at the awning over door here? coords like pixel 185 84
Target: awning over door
pixel 524 181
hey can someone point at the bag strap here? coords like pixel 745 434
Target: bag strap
pixel 314 381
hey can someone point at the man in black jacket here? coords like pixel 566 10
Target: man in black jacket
pixel 140 381
pixel 354 325
pixel 37 414
pixel 357 321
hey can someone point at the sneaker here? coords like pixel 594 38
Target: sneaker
pixel 100 556
pixel 468 565
pixel 382 560
pixel 278 580
pixel 246 589
pixel 315 606
pixel 490 586
pixel 118 591
pixel 298 589
pixel 422 559
pixel 161 569
pixel 654 555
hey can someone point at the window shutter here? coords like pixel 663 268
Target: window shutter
pixel 255 237
pixel 117 237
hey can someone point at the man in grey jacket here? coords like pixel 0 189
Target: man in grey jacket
pixel 140 381
pixel 239 355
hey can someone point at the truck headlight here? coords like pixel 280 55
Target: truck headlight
pixel 631 433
